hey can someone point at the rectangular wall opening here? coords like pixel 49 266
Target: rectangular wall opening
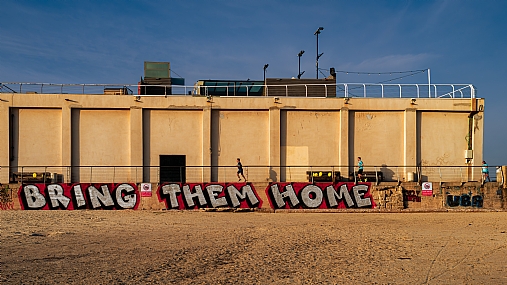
pixel 173 168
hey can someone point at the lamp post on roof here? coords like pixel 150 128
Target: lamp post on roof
pixel 265 86
pixel 265 67
pixel 317 33
pixel 299 64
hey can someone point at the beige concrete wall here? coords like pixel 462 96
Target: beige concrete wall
pixel 443 143
pixel 243 134
pixel 38 139
pixel 378 138
pixel 111 130
pixel 176 132
pixel 309 138
pixel 104 140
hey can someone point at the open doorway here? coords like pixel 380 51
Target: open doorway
pixel 172 168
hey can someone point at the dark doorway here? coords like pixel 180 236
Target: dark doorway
pixel 172 168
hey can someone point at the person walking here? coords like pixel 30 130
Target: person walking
pixel 485 172
pixel 360 168
pixel 240 169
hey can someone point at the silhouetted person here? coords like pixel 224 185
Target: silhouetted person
pixel 240 169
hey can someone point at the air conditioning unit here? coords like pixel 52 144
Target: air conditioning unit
pixel 57 178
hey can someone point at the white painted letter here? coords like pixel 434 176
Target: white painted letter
pixel 280 196
pixel 213 191
pixel 78 194
pixel 55 193
pixel 171 190
pixel 334 196
pixel 359 191
pixel 96 197
pixel 189 196
pixel 307 200
pixel 34 199
pixel 246 192
pixel 129 200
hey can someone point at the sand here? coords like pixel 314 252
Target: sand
pixel 192 247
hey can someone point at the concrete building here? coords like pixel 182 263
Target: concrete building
pixel 112 138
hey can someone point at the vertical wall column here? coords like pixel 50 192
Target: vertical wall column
pixel 478 140
pixel 343 142
pixel 410 141
pixel 66 141
pixel 4 140
pixel 274 144
pixel 136 144
pixel 206 144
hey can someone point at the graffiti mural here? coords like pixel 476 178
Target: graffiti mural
pixel 465 200
pixel 66 196
pixel 411 195
pixel 320 195
pixel 6 202
pixel 6 206
pixel 213 195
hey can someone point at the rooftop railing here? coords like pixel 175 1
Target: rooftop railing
pixel 406 90
pixel 347 90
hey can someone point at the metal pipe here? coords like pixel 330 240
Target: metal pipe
pixel 429 84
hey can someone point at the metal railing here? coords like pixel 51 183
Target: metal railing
pixel 155 174
pixel 347 90
pixel 406 90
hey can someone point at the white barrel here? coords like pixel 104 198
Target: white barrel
pixel 499 175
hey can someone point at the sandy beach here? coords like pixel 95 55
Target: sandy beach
pixel 192 247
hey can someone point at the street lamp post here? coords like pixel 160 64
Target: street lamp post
pixel 299 63
pixel 318 55
pixel 265 67
pixel 265 86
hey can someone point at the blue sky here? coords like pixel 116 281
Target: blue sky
pixel 108 41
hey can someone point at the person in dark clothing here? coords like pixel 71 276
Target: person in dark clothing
pixel 240 169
